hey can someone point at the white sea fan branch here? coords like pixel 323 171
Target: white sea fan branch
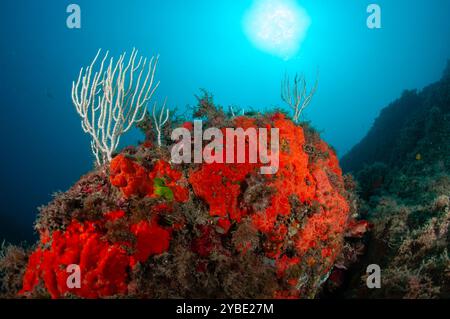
pixel 161 120
pixel 296 96
pixel 113 98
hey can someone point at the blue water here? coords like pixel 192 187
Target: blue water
pixel 202 44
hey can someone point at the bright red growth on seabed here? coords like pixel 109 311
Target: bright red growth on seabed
pixel 291 237
pixel 103 265
pixel 307 180
pixel 133 179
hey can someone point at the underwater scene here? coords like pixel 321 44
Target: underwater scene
pixel 217 149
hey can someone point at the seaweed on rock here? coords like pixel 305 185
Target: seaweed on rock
pixel 144 227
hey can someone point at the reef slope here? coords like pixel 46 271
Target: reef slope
pixel 402 168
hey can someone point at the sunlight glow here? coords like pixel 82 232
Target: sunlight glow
pixel 277 26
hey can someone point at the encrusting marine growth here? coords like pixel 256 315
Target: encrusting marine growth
pixel 201 221
pixel 139 226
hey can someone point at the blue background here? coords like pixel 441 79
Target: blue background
pixel 202 45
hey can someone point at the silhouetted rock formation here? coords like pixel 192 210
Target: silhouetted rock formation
pixel 416 123
pixel 402 168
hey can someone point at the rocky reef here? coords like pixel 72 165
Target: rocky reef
pixel 402 168
pixel 143 227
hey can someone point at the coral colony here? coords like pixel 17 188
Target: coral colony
pixel 160 221
pixel 237 144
